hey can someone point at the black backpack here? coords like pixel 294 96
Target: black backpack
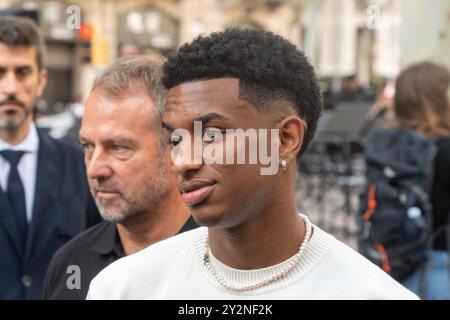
pixel 395 214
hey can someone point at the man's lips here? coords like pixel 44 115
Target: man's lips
pixel 105 193
pixel 10 106
pixel 196 191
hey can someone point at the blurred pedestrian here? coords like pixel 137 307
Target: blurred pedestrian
pixel 421 103
pixel 129 174
pixel 381 114
pixel 44 196
pixel 128 49
pixel 76 110
pixel 352 91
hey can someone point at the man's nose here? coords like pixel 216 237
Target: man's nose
pixel 98 166
pixel 9 84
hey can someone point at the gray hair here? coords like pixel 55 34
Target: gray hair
pixel 131 73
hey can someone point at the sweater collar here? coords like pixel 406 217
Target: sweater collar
pixel 316 250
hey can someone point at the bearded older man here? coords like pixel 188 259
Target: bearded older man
pixel 129 176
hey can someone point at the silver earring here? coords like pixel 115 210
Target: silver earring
pixel 283 165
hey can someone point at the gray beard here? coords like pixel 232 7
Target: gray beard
pixel 156 188
pixel 11 125
pixel 130 207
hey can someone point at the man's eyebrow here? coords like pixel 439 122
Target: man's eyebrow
pixel 209 117
pixel 119 139
pixel 82 139
pixel 111 140
pixel 204 119
pixel 25 66
pixel 166 126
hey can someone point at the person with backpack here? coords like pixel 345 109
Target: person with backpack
pixel 405 208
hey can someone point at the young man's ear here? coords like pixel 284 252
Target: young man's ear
pixel 292 130
pixel 43 76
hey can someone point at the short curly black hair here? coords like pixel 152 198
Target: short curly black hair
pixel 269 69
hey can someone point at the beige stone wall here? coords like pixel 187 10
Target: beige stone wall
pixel 194 16
pixel 331 27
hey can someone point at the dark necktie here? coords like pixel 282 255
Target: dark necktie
pixel 16 193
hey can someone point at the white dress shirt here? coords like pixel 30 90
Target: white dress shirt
pixel 27 166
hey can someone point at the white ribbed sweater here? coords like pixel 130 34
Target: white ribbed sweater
pixel 174 269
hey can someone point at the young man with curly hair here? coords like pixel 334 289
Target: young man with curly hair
pixel 254 243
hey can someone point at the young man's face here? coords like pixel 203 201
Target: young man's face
pixel 125 162
pixel 221 195
pixel 21 84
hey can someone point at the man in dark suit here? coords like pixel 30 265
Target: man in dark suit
pixel 44 196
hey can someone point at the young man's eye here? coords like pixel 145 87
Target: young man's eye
pixel 175 140
pixel 211 134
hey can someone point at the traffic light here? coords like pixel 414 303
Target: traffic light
pixel 86 34
pixel 86 48
pixel 86 31
pixel 93 46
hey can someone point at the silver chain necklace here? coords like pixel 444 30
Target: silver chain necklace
pixel 279 275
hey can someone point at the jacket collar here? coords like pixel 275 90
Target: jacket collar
pixel 108 241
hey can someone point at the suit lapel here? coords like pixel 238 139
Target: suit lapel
pixel 45 191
